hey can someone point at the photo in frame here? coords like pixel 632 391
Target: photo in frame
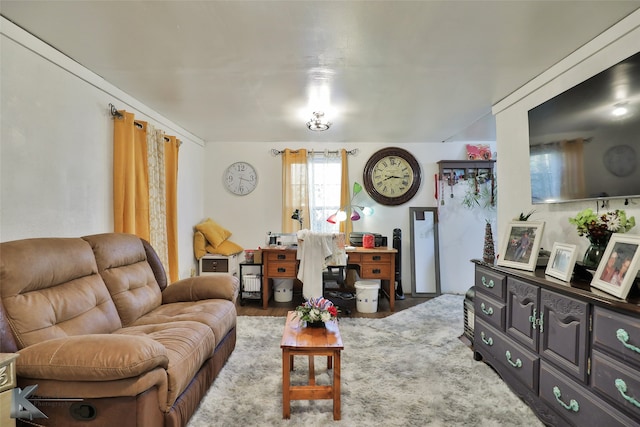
pixel 562 260
pixel 619 265
pixel 520 245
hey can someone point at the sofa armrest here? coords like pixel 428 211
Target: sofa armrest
pixel 214 286
pixel 98 357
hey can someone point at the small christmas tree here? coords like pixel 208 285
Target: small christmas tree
pixel 489 254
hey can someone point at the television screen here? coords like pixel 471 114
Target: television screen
pixel 585 142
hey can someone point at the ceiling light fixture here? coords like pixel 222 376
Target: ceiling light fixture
pixel 620 109
pixel 318 123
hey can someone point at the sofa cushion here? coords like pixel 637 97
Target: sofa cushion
pixel 219 315
pixel 199 245
pixel 187 344
pixel 217 286
pixel 214 232
pixel 50 288
pixel 96 357
pixel 225 248
pixel 122 263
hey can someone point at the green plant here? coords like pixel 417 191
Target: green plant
pixel 593 224
pixel 480 192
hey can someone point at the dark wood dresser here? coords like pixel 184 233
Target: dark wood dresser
pixel 572 353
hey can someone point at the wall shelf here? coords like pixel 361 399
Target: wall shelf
pixel 454 170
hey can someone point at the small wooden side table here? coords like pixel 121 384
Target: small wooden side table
pixel 298 340
pixel 7 383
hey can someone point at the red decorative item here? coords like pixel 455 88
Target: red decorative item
pixel 368 241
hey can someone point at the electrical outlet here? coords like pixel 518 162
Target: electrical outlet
pixel 193 271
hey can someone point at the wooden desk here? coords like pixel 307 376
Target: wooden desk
pixel 298 340
pixel 377 263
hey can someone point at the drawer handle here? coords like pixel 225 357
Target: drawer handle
pixel 281 269
pixel 377 257
pixel 282 256
pixel 516 364
pixel 623 337
pixel 488 341
pixel 488 285
pixel 485 310
pixel 376 271
pixel 622 388
pixel 572 406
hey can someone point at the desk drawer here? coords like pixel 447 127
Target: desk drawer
pixel 281 255
pixel 375 271
pixel 281 269
pixel 374 258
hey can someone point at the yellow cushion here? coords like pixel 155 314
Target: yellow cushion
pixel 213 232
pixel 199 244
pixel 226 248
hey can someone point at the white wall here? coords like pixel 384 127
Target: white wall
pixel 618 43
pixel 56 162
pixel 56 148
pixel 250 217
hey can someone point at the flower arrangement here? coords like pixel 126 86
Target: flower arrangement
pixel 317 310
pixel 597 226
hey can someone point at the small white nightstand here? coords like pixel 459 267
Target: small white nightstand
pixel 216 264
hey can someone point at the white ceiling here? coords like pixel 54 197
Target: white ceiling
pixel 392 71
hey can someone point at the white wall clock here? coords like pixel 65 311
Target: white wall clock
pixel 240 178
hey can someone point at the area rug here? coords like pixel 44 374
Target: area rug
pixel 408 369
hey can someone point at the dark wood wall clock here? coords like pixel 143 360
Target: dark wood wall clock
pixel 392 176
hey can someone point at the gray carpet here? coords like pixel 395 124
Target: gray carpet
pixel 408 369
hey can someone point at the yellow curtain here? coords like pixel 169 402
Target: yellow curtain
pixel 172 148
pixel 294 189
pixel 573 180
pixel 130 177
pixel 131 186
pixel 345 197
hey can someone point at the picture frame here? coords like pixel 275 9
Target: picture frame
pixel 619 265
pixel 561 261
pixel 520 245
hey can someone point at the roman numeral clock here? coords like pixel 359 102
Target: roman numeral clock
pixel 392 176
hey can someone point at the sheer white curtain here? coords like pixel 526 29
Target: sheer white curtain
pixel 157 194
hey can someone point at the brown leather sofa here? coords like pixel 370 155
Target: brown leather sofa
pixel 96 326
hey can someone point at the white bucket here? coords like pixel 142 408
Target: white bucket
pixel 283 290
pixel 367 296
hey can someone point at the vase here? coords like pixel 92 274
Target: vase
pixel 597 246
pixel 318 324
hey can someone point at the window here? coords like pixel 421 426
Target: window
pixel 324 174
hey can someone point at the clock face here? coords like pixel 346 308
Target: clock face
pixel 392 176
pixel 240 178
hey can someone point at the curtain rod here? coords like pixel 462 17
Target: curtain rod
pixel 118 115
pixel 275 152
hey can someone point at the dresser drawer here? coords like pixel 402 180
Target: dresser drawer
pixel 490 310
pixel 490 282
pixel 618 334
pixel 516 360
pixel 574 403
pixel 281 269
pixel 617 382
pixel 281 255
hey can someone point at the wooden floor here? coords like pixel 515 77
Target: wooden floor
pixel 347 306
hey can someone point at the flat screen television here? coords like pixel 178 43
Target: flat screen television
pixel 585 142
